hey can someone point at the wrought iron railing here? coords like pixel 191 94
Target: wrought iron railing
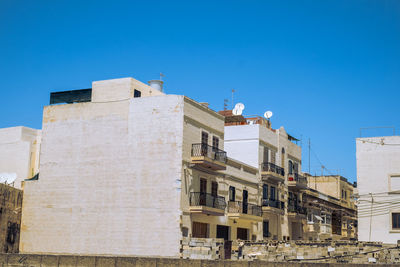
pixel 273 203
pixel 208 200
pixel 270 167
pixel 204 150
pixel 297 177
pixel 245 208
pixel 292 207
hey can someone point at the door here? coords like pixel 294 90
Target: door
pixel 245 201
pixel 200 230
pixel 242 233
pixel 223 232
pixel 203 192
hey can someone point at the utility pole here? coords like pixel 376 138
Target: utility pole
pixel 370 218
pixel 309 156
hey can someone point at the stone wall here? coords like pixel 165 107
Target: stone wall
pixel 37 260
pixel 328 252
pixel 10 218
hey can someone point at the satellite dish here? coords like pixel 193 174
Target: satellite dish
pixel 236 111
pixel 239 106
pixel 268 114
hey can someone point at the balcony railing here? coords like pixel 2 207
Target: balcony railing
pixel 204 150
pixel 270 167
pixel 297 178
pixel 208 200
pixel 244 208
pixel 296 208
pixel 273 203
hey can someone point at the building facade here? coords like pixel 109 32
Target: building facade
pixel 19 159
pixel 126 169
pixel 378 178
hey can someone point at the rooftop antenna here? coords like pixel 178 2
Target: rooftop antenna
pixel 161 75
pixel 233 91
pixel 225 104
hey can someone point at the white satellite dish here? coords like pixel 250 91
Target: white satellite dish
pixel 268 114
pixel 237 111
pixel 239 106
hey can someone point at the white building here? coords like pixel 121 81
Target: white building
pixel 378 177
pixel 19 157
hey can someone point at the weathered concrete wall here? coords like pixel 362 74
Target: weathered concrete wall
pixel 37 260
pixel 377 160
pixel 109 181
pixel 19 155
pixel 323 252
pixel 10 218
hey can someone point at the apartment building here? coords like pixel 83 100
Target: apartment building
pixel 127 170
pixel 273 152
pixel 331 210
pixel 19 159
pixel 378 178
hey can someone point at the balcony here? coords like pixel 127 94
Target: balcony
pixel 245 211
pixel 295 209
pixel 297 181
pixel 272 171
pixel 208 157
pixel 271 205
pixel 205 203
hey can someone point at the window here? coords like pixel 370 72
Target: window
pixel 394 183
pixel 290 167
pixel 266 229
pixel 214 189
pixel 273 157
pixel 137 93
pixel 266 152
pixel 342 193
pixel 200 230
pixel 215 142
pixel 204 137
pixel 265 191
pixel 310 217
pixel 232 193
pixel 273 193
pixel 396 221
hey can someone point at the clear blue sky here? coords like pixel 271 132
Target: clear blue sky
pixel 325 68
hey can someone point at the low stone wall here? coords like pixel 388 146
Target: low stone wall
pixel 35 260
pixel 202 248
pixel 327 251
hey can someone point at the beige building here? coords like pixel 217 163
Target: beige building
pixel 128 170
pixel 19 157
pixel 331 209
pixel 278 159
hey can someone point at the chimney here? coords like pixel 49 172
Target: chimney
pixel 156 84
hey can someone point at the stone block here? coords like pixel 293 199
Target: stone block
pixel 49 261
pixel 105 261
pixel 67 261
